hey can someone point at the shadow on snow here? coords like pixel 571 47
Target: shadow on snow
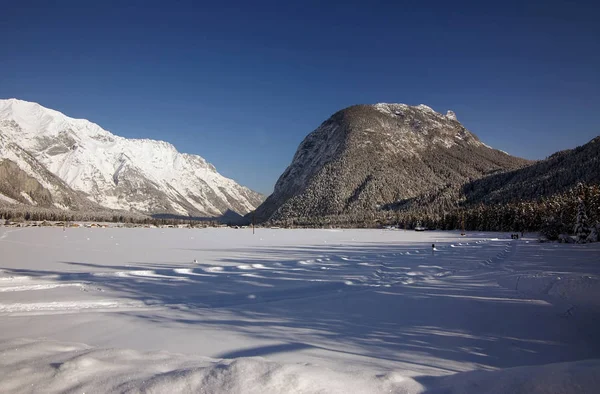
pixel 399 303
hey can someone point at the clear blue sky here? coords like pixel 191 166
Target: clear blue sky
pixel 242 83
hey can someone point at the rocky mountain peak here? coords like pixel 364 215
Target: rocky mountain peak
pixel 365 157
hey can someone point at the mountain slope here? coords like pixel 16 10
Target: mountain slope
pixel 558 173
pixel 114 172
pixel 368 156
pixel 29 182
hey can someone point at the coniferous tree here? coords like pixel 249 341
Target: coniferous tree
pixel 581 228
pixel 593 236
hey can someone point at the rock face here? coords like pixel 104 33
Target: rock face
pixel 366 157
pixel 71 163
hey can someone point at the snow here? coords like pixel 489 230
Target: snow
pixel 60 206
pixel 28 198
pixel 390 109
pixel 426 108
pixel 100 158
pixel 8 199
pixel 295 311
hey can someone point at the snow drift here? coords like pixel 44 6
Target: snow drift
pixel 58 367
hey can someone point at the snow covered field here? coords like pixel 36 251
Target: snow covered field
pixel 222 310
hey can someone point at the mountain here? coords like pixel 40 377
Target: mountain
pixel 41 188
pixel 49 159
pixel 556 174
pixel 366 158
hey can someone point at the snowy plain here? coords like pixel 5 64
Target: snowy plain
pixel 295 311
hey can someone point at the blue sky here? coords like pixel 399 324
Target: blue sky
pixel 242 83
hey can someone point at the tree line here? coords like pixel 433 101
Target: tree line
pixel 25 213
pixel 551 215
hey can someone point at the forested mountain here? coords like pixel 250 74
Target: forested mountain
pixel 369 159
pixel 553 179
pixel 556 174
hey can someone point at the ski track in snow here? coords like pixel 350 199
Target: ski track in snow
pixel 354 300
pixel 7 232
pixel 344 274
pixel 381 274
pixel 68 306
pixel 34 287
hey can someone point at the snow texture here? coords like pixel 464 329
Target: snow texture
pixel 116 172
pixel 8 199
pixel 451 115
pixel 295 311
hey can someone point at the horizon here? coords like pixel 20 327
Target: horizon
pixel 242 85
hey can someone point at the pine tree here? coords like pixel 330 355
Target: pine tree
pixel 551 228
pixel 594 235
pixel 581 228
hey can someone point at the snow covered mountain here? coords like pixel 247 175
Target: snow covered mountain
pixel 368 157
pixel 62 162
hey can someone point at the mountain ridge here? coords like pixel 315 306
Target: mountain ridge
pixel 141 175
pixel 557 173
